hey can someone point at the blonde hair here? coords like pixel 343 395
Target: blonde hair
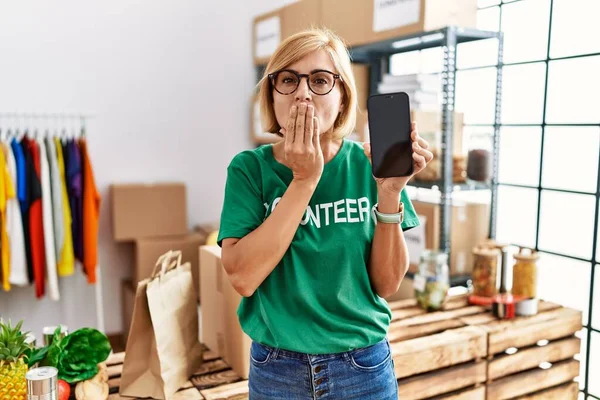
pixel 293 49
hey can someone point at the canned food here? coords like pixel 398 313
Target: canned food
pixel 42 383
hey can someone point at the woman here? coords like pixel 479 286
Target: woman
pixel 299 236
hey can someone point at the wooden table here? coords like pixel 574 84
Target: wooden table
pixel 460 353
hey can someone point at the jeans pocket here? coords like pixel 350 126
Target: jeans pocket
pixel 260 354
pixel 372 358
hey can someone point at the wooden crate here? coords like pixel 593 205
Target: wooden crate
pixel 436 354
pixel 458 353
pixel 213 381
pixel 532 357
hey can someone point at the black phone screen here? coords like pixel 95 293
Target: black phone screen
pixel 389 131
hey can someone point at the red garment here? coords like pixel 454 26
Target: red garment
pixel 36 228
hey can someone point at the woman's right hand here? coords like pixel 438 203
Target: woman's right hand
pixel 302 147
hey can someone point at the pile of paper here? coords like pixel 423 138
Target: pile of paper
pixel 424 90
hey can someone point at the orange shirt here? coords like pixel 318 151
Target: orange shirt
pixel 91 214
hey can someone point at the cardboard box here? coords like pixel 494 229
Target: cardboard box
pixel 266 31
pixel 147 251
pixel 127 302
pixel 406 291
pixel 148 210
pixel 298 16
pixel 221 330
pixel 395 19
pixel 349 19
pixel 470 226
pixel 362 78
pixel 366 21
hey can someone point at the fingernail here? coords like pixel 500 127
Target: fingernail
pixel 293 108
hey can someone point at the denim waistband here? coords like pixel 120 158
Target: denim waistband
pixel 277 352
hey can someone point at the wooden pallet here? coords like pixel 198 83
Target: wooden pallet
pixel 458 353
pixel 436 354
pixel 532 357
pixel 213 381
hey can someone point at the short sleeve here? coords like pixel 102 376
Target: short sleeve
pixel 243 210
pixel 411 219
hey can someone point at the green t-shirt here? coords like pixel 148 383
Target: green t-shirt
pixel 318 299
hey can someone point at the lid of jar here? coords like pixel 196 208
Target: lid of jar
pixel 434 255
pixel 486 251
pixel 526 254
pixel 493 244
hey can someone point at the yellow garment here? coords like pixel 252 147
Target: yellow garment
pixel 212 238
pixel 66 259
pixel 7 191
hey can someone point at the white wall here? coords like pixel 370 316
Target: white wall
pixel 168 82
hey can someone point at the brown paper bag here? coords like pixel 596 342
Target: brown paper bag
pixel 163 350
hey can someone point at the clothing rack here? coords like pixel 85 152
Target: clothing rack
pixel 24 122
pixel 20 122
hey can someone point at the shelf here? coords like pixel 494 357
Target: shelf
pixel 467 186
pixel 455 280
pixel 418 41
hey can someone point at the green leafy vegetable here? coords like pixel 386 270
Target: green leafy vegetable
pixel 36 355
pixel 76 356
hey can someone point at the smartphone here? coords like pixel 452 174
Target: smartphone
pixel 389 131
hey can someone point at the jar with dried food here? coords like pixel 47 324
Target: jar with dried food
pixel 432 281
pixel 525 273
pixel 479 160
pixel 485 271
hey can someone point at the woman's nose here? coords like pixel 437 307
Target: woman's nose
pixel 303 92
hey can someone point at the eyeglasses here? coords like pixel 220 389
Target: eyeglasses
pixel 320 82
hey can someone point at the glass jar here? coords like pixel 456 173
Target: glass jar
pixel 432 281
pixel 525 273
pixel 485 271
pixel 479 159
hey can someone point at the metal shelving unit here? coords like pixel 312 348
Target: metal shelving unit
pixel 377 55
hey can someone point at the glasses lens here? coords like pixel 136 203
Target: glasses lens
pixel 321 82
pixel 286 82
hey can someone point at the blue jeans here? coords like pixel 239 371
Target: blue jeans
pixel 366 373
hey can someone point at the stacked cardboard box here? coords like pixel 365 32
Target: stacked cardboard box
pixel 154 218
pixel 127 302
pixel 221 330
pixel 359 22
pixel 271 28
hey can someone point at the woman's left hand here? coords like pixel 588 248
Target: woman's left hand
pixel 421 157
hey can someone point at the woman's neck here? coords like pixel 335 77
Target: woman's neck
pixel 330 148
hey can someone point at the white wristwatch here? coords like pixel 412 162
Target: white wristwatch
pixel 396 218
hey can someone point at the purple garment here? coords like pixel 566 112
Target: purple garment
pixel 75 191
